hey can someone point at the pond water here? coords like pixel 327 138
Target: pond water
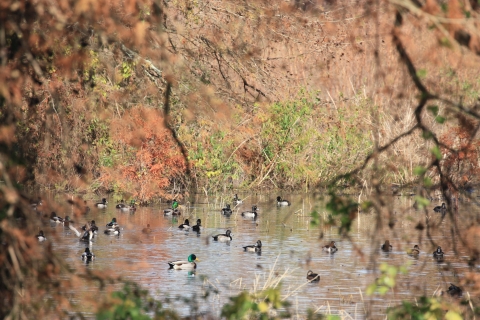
pixel 291 247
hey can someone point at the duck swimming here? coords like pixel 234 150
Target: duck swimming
pixel 441 209
pixel 102 204
pixel 112 230
pixel 92 226
pixel 415 251
pixel 313 277
pixel 54 218
pixel 185 225
pixel 282 202
pixel 112 223
pixel 88 255
pixel 250 214
pixel 184 265
pixel 147 230
pixel 257 247
pixel 223 237
pixel 227 211
pixel 121 205
pixel 197 226
pixel 40 236
pixel 237 200
pixel 387 246
pixel 438 254
pixel 330 247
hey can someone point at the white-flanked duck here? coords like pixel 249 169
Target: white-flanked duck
pixel 237 200
pixel 196 227
pixel 55 219
pixel 223 237
pixel 185 225
pixel 250 214
pixel 121 205
pixel 257 247
pixel 113 231
pixel 227 210
pixel 102 204
pixel 282 202
pixel 112 223
pixel 88 255
pixel 438 254
pixel 331 248
pixel 184 265
pixel 40 236
pixel 313 277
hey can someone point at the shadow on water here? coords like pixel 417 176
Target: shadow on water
pixel 291 246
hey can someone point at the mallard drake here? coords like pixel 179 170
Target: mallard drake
pixel 250 214
pixel 330 247
pixel 174 204
pixel 257 247
pixel 102 204
pixel 54 218
pixel 197 226
pixel 415 251
pixel 112 223
pixel 88 255
pixel 67 221
pixel 184 265
pixel 223 237
pixel 227 211
pixel 387 246
pixel 313 277
pixel 112 230
pixel 282 202
pixel 237 200
pixel 438 254
pixel 121 205
pixel 40 236
pixel 441 209
pixel 454 291
pixel 185 225
pixel 147 230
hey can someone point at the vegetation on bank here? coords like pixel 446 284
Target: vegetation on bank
pixel 151 98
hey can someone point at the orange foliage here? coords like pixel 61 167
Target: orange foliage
pixel 152 160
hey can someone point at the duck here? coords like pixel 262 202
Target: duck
pixel 282 202
pixel 197 226
pixel 387 246
pixel 250 214
pixel 147 230
pixel 227 211
pixel 257 247
pixel 313 277
pixel 237 200
pixel 454 291
pixel 441 209
pixel 102 204
pixel 223 237
pixel 438 254
pixel 185 225
pixel 113 230
pixel 67 221
pixel 40 236
pixel 121 205
pixel 54 218
pixel 36 204
pixel 184 265
pixel 330 247
pixel 112 223
pixel 415 251
pixel 132 208
pixel 88 255
pixel 171 212
pixel 92 226
pixel 87 236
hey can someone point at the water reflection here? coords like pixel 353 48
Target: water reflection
pixel 290 247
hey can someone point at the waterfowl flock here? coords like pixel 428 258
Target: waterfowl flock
pixel 90 230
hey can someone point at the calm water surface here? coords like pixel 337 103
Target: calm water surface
pixel 291 247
